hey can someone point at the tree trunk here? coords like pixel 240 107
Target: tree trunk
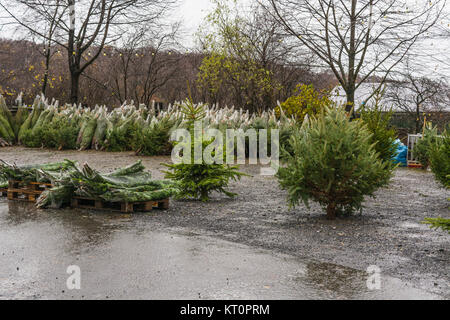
pixel 350 106
pixel 350 99
pixel 331 211
pixel 47 70
pixel 74 87
pixel 44 84
pixel 418 119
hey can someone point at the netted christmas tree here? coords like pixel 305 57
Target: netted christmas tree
pixel 333 163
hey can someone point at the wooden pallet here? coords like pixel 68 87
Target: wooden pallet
pixel 414 164
pixel 124 207
pixel 32 186
pixel 30 191
pixel 3 192
pixel 23 195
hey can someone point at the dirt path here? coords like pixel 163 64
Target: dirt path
pixel 387 234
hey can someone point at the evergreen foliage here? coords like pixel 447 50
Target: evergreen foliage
pixel 306 101
pixel 438 223
pixel 333 163
pixel 197 181
pixel 378 121
pixel 154 139
pixel 425 145
pixel 440 159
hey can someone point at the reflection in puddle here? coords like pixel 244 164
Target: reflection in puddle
pixel 337 279
pixel 81 229
pixel 124 256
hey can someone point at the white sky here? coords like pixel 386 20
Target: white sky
pixel 435 58
pixel 192 13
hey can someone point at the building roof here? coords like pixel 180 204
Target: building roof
pixel 366 89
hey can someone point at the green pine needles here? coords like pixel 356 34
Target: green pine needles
pixel 377 120
pixel 440 159
pixel 424 146
pixel 197 181
pixel 334 163
pixel 438 223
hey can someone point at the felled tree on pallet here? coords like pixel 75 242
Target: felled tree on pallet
pixel 197 181
pixel 333 163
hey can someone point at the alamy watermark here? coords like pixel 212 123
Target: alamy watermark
pixel 373 281
pixel 229 147
pixel 73 282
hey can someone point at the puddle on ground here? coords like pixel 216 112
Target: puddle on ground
pixel 123 256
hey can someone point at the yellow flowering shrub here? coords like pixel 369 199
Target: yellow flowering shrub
pixel 306 100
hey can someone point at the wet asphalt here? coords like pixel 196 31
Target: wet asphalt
pixel 124 257
pixel 251 247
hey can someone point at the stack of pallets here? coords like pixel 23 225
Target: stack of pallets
pixel 26 191
pixel 124 207
pixel 30 192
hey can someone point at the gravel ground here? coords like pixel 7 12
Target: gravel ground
pixel 388 234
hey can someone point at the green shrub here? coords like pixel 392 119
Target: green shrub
pixel 306 101
pixel 378 121
pixel 333 163
pixel 440 159
pixel 423 147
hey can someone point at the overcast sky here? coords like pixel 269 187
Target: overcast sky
pixel 436 54
pixel 192 13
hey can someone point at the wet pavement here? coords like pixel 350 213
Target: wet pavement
pixel 251 247
pixel 129 257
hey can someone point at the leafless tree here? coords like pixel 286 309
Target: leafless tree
pixel 86 26
pixel 417 95
pixel 55 13
pixel 145 63
pixel 357 39
pixel 264 63
pixel 274 51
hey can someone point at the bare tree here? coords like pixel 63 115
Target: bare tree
pixel 249 60
pixel 146 62
pixel 56 13
pixel 92 24
pixel 43 46
pixel 417 95
pixel 356 39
